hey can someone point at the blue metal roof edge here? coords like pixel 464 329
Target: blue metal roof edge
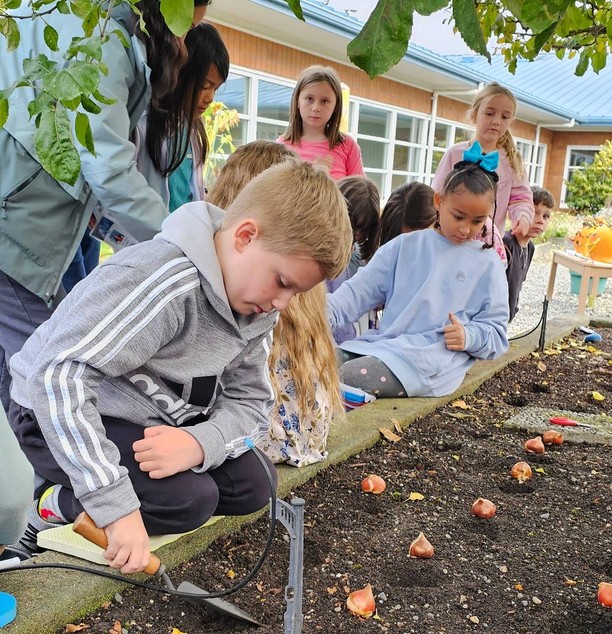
pixel 342 24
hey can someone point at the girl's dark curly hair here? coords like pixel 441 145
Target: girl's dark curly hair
pixel 476 180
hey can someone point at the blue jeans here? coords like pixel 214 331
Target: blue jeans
pixel 84 262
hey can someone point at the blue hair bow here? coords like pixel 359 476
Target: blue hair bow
pixel 487 162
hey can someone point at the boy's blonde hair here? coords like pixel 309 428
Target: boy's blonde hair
pixel 300 212
pixel 243 165
pixel 302 337
pixel 316 75
pixel 506 141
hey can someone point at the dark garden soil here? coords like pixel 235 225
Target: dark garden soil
pixel 532 569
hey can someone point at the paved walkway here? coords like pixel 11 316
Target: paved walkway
pixel 49 598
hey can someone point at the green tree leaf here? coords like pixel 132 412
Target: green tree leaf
pixel 89 46
pixel 295 6
pixel 178 15
pixel 427 7
pixel 384 38
pixel 540 14
pixel 54 146
pixel 83 132
pixel 62 7
pixel 102 99
pixel 583 64
pixel 10 30
pixel 466 19
pixel 4 108
pixel 89 105
pixel 51 37
pixel 85 74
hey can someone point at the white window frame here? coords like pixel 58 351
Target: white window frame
pixel 567 167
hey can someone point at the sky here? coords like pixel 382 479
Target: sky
pixel 431 31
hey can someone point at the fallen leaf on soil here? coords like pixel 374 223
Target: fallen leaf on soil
pixel 598 397
pixel 230 574
pixel 518 586
pixel 570 582
pixel 116 628
pixel 396 425
pixel 71 627
pixel 541 366
pixel 389 435
pixel 460 404
pixel 459 415
pixel 540 470
pixel 175 630
pixel 416 496
pixel 332 590
pixel 456 457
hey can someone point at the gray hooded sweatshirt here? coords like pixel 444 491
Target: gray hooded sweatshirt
pixel 148 337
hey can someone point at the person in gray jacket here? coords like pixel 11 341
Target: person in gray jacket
pixel 43 220
pixel 16 485
pixel 138 397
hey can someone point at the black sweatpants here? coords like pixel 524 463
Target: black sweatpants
pixel 175 504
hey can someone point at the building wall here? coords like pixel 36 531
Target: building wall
pixel 276 59
pixel 557 152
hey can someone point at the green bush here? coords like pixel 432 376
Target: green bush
pixel 591 187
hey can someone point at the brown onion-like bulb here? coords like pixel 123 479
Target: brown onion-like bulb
pixel 373 484
pixel 552 437
pixel 535 445
pixel 361 602
pixel 421 548
pixel 483 508
pixel 604 594
pixel 521 471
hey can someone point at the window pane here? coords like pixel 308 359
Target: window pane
pixel 406 158
pixel 578 158
pixel 373 121
pixel 441 135
pixel 400 179
pixel 540 158
pixel 435 161
pixel 239 133
pixel 234 93
pixel 269 131
pixel 273 101
pixel 408 129
pixel 373 153
pixel 462 134
pixel 378 178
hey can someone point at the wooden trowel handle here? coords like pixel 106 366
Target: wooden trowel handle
pixel 86 527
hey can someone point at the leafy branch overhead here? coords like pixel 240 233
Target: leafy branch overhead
pixel 519 29
pixel 66 82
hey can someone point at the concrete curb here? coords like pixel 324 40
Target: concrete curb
pixel 50 598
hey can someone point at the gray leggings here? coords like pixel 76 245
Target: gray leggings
pixel 368 374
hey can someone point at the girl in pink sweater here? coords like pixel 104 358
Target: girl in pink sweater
pixel 314 124
pixel 492 112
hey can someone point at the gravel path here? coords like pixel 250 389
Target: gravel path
pixel 563 302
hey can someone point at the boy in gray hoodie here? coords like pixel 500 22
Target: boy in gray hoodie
pixel 134 401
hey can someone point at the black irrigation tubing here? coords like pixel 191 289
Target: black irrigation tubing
pixel 540 321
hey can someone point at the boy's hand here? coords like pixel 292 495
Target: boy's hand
pixel 128 544
pixel 454 335
pixel 166 450
pixel 520 228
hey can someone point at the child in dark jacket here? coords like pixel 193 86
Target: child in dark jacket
pixel 520 249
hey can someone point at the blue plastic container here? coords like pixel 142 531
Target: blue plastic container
pixel 8 608
pixel 576 280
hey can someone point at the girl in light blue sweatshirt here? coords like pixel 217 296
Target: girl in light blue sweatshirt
pixel 445 297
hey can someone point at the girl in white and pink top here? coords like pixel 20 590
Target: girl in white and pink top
pixel 492 113
pixel 314 124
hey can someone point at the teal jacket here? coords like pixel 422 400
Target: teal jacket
pixel 41 220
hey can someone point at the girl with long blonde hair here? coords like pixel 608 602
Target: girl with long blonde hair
pixel 492 113
pixel 302 361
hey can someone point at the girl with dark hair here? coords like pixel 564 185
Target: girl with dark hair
pixel 314 124
pixel 445 299
pixel 175 140
pixel 409 208
pixel 43 220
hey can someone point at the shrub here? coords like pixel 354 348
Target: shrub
pixel 591 187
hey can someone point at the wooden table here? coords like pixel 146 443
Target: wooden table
pixel 583 266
